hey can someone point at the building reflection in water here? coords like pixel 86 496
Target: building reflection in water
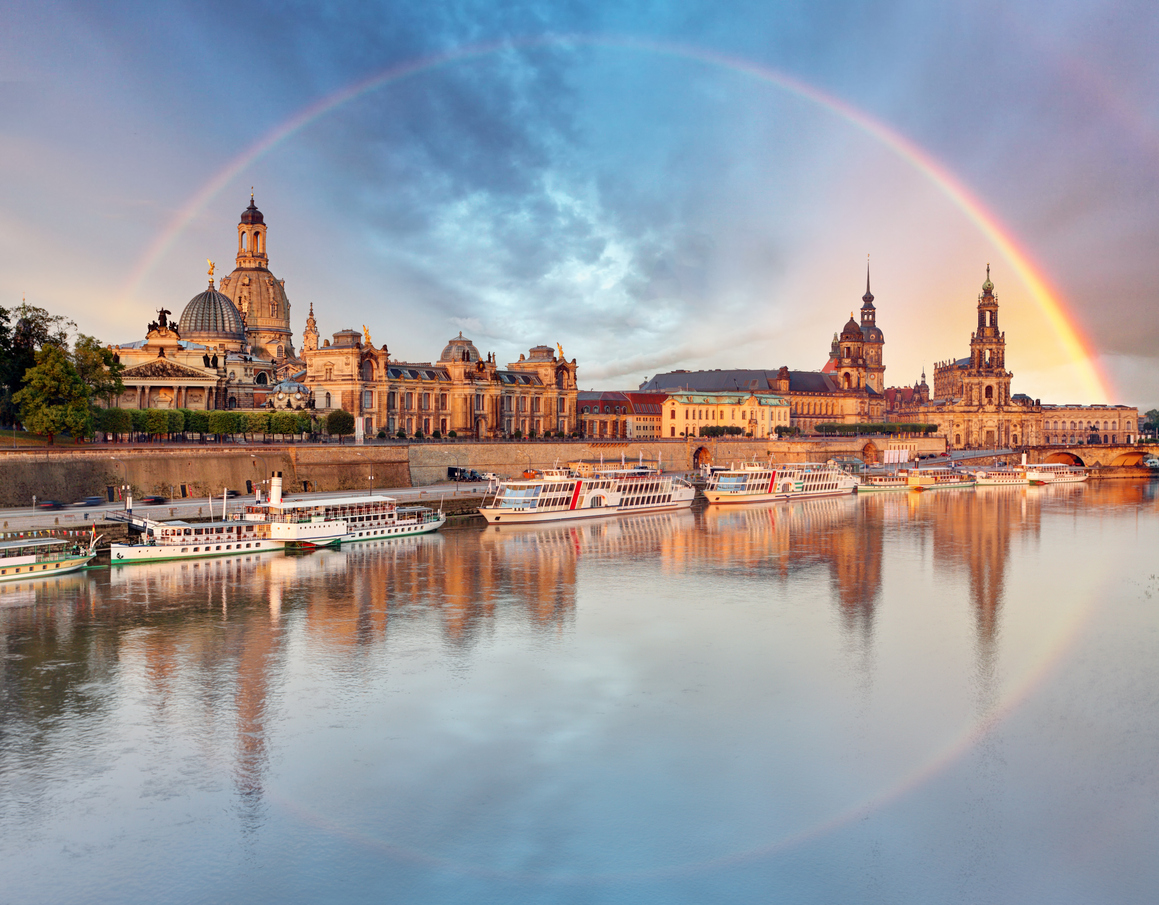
pixel 842 535
pixel 211 638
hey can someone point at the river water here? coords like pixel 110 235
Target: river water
pixel 940 697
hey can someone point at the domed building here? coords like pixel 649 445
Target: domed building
pixel 258 295
pixel 201 361
pixel 213 320
pixel 463 391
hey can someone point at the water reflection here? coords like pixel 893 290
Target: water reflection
pixel 200 675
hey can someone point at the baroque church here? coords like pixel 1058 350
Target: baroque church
pixel 232 348
pixel 848 389
pixel 229 349
pixel 973 406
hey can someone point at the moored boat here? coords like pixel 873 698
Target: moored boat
pixel 1000 477
pixel 33 557
pixel 557 494
pixel 1055 473
pixel 326 521
pixel 878 483
pixel 939 479
pixel 754 483
pixel 161 541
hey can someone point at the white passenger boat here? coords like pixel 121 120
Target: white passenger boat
pixel 753 483
pixel 33 557
pixel 1056 473
pixel 557 494
pixel 161 541
pixel 1000 477
pixel 939 479
pixel 877 483
pixel 325 521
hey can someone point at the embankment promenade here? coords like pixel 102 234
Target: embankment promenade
pixel 68 473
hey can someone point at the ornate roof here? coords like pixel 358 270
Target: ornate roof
pixel 211 316
pixel 251 214
pixel 852 330
pixel 457 346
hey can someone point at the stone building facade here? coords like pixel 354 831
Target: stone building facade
pixel 974 408
pixel 461 392
pixel 848 389
pixel 217 355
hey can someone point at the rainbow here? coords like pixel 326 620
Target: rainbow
pixel 1046 297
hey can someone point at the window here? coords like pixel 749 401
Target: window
pixel 673 418
pixel 426 402
pixel 367 399
pixel 990 393
pixel 327 401
pixel 391 401
pixel 442 402
pixel 409 400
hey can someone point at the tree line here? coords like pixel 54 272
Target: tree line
pixel 48 384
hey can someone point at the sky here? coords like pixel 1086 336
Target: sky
pixel 651 185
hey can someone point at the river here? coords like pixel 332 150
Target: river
pixel 899 697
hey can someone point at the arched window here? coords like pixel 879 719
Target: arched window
pixel 257 244
pixel 261 380
pixel 990 393
pixel 281 352
pixel 673 417
pixel 327 401
pixel 244 241
pixel 367 371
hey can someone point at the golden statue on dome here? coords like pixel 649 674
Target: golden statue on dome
pixel 366 335
pixel 211 266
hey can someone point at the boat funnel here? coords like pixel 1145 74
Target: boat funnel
pixel 275 488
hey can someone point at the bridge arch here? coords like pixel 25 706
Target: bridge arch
pixel 869 453
pixel 1128 458
pixel 702 456
pixel 1063 458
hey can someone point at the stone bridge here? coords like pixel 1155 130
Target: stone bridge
pixel 1112 454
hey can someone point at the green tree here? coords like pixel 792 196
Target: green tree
pixel 257 422
pixel 176 419
pixel 197 421
pixel 26 330
pixel 1150 422
pixel 340 423
pixel 138 419
pixel 54 399
pixel 221 423
pixel 98 368
pixel 113 421
pixel 156 422
pixel 304 424
pixel 282 423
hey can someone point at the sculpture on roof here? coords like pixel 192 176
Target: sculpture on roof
pixel 366 334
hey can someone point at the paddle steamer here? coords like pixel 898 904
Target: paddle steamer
pixel 556 494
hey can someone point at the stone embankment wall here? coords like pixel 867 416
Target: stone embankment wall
pixel 71 474
pixel 429 461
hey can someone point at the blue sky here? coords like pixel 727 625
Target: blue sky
pixel 645 209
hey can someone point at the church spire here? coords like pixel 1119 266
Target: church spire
pixel 868 297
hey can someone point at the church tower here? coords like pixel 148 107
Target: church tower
pixel 874 345
pixel 986 382
pixel 259 296
pixel 310 334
